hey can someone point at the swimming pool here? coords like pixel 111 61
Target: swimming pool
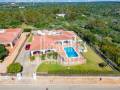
pixel 71 53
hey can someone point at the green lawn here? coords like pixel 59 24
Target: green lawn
pixel 91 66
pixel 30 38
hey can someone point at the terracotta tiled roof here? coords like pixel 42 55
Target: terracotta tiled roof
pixel 41 42
pixel 9 35
pixel 48 41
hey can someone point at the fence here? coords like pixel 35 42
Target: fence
pixel 7 74
pixel 105 58
pixel 87 74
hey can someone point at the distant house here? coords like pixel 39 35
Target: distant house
pixel 22 7
pixel 60 15
pixel 12 4
pixel 8 37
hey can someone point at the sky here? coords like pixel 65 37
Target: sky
pixel 53 0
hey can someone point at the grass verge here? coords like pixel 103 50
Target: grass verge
pixel 90 67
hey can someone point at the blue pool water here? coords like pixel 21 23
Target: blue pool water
pixel 70 52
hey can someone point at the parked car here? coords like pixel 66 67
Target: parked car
pixel 27 47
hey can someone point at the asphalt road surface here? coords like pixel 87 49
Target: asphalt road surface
pixel 23 58
pixel 58 87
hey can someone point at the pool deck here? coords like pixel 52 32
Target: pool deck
pixel 70 52
pixel 70 61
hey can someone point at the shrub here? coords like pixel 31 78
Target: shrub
pixel 49 55
pixel 103 64
pixel 55 55
pixel 43 56
pixel 14 68
pixel 32 58
pixel 3 52
pixel 27 30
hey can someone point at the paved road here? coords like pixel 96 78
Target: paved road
pixel 59 87
pixel 28 67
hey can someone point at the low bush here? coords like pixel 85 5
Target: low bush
pixel 27 30
pixel 14 68
pixel 32 58
pixel 43 56
pixel 103 64
pixel 3 52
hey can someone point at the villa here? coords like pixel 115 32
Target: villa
pixel 60 15
pixel 60 41
pixel 9 37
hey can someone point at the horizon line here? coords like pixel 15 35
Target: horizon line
pixel 52 1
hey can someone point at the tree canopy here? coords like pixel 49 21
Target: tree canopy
pixel 96 23
pixel 3 52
